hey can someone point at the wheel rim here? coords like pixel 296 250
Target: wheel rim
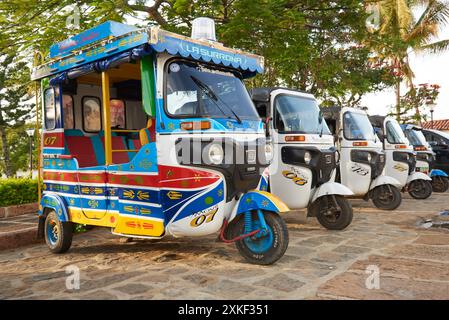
pixel 439 184
pixel 260 245
pixel 331 214
pixel 385 196
pixel 419 188
pixel 52 232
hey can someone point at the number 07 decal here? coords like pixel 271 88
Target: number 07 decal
pixel 204 217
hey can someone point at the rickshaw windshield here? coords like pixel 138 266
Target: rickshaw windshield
pixel 195 90
pixel 416 137
pixel 300 115
pixel 395 135
pixel 356 126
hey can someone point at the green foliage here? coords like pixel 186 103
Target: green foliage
pixel 414 105
pixel 15 109
pixel 17 191
pixel 311 45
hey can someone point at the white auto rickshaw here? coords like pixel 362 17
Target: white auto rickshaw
pixel 401 158
pixel 362 161
pixel 304 156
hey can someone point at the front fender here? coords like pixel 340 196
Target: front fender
pixel 330 188
pixel 258 200
pixel 418 176
pixel 383 180
pixel 438 173
pixel 55 202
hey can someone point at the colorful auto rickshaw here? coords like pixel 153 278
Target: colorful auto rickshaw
pixel 152 134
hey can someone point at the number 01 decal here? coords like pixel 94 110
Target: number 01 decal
pixel 204 217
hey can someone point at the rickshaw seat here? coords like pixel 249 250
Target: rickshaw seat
pixel 82 149
pixel 148 134
pixel 118 143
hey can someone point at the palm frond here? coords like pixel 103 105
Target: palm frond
pixel 436 47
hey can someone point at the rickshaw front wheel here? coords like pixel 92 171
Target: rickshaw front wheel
pixel 58 234
pixel 440 184
pixel 267 248
pixel 332 212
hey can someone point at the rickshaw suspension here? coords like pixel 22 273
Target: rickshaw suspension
pixel 248 226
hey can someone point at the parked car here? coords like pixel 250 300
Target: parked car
pixel 439 141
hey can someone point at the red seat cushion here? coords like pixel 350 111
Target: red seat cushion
pixel 118 143
pixel 136 144
pixel 81 148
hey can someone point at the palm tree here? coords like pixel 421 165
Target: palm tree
pixel 403 31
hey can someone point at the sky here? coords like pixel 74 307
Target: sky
pixel 432 69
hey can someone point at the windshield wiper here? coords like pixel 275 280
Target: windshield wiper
pixel 211 94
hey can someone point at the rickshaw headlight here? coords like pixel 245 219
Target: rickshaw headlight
pixel 215 154
pixel 269 155
pixel 307 157
pixel 369 157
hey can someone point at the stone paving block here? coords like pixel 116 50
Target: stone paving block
pixel 353 286
pixel 405 268
pixel 421 252
pixel 280 282
pixel 433 239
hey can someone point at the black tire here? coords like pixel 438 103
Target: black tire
pixel 60 240
pixel 332 214
pixel 386 197
pixel 440 184
pixel 420 189
pixel 279 243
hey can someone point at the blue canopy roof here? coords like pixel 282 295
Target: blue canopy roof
pixel 118 44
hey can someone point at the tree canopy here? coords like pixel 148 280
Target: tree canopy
pixel 311 45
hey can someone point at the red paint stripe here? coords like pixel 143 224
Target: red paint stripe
pixel 61 176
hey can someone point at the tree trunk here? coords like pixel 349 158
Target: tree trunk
pixel 5 150
pixel 398 100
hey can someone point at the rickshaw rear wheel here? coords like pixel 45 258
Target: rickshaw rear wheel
pixel 265 250
pixel 440 184
pixel 420 189
pixel 386 197
pixel 58 234
pixel 332 215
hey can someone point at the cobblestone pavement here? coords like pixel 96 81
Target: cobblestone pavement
pixel 319 264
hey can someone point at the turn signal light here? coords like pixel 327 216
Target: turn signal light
pixel 420 148
pixel 295 138
pixel 401 146
pixel 199 125
pixel 360 144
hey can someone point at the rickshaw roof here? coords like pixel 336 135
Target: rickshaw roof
pixel 98 46
pixel 263 94
pixel 410 127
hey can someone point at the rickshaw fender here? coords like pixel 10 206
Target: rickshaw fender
pixel 384 180
pixel 258 200
pixel 418 176
pixel 330 188
pixel 438 173
pixel 55 202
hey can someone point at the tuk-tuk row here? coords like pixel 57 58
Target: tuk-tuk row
pixel 154 134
